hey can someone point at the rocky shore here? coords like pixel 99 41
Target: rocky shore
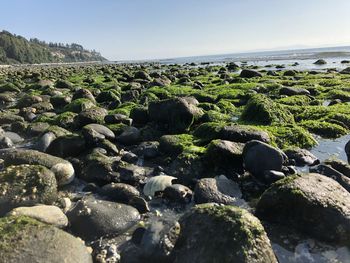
pixel 172 163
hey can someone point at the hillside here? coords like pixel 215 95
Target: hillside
pixel 16 49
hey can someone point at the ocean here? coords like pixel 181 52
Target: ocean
pixel 271 59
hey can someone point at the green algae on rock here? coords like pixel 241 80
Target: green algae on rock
pixel 312 203
pixel 212 233
pixel 26 185
pixel 262 110
pixel 45 243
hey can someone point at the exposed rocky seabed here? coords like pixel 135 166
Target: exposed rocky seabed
pixel 174 163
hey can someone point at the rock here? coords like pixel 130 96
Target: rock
pixel 91 219
pixel 248 73
pixel 271 176
pixel 23 239
pixel 339 165
pixel 178 193
pixel 238 133
pixel 347 150
pixel 5 142
pixel 301 156
pixel 313 203
pixel 218 190
pixel 8 118
pixel 291 91
pixel 207 227
pixel 100 131
pixel 63 170
pixel 157 184
pixel 259 157
pixel 98 168
pixel 345 71
pixel 225 154
pixel 28 100
pixel 119 192
pixel 14 137
pixel 140 204
pixel 118 118
pixel 160 82
pixel 290 73
pixel 176 114
pixel 131 174
pixel 130 136
pixel 320 62
pixel 84 94
pixel 26 185
pixel 232 66
pixel 60 101
pixel 48 214
pixel 148 149
pixel 262 110
pixel 68 145
pixel 330 172
pixel 44 142
pixel 91 115
pixel 37 128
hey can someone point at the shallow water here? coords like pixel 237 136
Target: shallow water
pixel 328 148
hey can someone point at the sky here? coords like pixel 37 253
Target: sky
pixel 150 29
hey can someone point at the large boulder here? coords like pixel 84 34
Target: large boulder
pixel 26 185
pixel 313 203
pixel 259 157
pixel 91 219
pixel 176 114
pixel 62 169
pixel 23 239
pixel 213 234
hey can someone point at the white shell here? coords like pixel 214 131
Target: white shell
pixel 157 183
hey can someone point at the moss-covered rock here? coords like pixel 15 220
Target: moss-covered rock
pixel 313 203
pixel 324 129
pixel 211 233
pixel 176 114
pixel 79 105
pixel 262 110
pixel 23 239
pixel 63 170
pixel 26 185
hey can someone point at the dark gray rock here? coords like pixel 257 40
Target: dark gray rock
pixel 176 114
pixel 69 145
pixel 119 192
pixel 259 157
pixel 91 219
pixel 301 157
pixel 238 133
pixel 178 193
pixel 248 73
pixel 130 136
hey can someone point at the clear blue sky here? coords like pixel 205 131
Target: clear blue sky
pixel 140 29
